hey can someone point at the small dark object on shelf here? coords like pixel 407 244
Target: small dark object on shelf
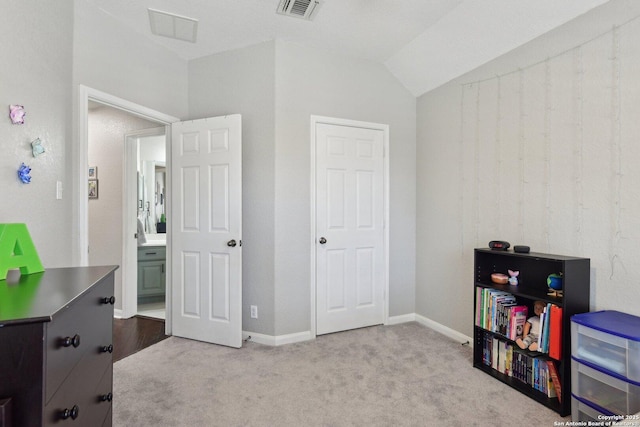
pixel 499 245
pixel 521 249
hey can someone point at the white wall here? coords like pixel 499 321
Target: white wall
pixel 276 87
pixel 107 129
pixel 113 58
pixel 537 148
pixel 313 82
pixel 35 71
pixel 242 81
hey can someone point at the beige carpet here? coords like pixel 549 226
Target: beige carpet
pixel 401 375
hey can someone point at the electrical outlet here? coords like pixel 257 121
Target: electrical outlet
pixel 254 311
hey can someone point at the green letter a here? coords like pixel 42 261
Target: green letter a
pixel 17 250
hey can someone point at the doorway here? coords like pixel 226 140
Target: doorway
pixel 146 196
pixel 126 305
pixel 221 138
pixel 349 174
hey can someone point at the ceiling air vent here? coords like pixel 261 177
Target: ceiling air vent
pixel 173 26
pixel 304 9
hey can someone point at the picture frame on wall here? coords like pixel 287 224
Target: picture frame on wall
pixel 93 188
pixel 93 172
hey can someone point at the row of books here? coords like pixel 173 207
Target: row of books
pixel 550 333
pixel 531 368
pixel 499 312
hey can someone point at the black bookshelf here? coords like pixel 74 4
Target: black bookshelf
pixel 534 269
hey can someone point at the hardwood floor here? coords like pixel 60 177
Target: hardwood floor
pixel 134 334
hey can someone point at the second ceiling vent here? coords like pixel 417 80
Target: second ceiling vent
pixel 304 9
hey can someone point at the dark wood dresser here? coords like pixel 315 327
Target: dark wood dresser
pixel 56 344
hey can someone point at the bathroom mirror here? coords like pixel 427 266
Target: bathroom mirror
pixel 152 185
pixel 153 195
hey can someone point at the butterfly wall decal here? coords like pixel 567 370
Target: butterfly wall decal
pixel 23 173
pixel 17 113
pixel 36 147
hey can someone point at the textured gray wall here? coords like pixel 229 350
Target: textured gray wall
pixel 540 148
pixel 35 71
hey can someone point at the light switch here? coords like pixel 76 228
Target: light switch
pixel 58 190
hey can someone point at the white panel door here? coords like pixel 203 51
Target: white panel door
pixel 206 194
pixel 349 227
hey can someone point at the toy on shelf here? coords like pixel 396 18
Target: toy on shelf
pixel 554 282
pixel 531 328
pixel 513 277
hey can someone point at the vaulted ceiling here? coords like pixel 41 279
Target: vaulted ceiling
pixel 424 43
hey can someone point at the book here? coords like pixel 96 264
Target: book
pixel 518 319
pixel 550 389
pixel 487 345
pixel 478 306
pixel 509 360
pixel 545 343
pixel 555 379
pixel 494 296
pixel 502 314
pixel 555 332
pixel 494 353
pixel 543 336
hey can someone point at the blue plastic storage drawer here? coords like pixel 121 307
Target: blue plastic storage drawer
pixel 608 339
pixel 583 410
pixel 608 392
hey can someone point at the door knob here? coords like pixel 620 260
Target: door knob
pixel 322 240
pixel 232 243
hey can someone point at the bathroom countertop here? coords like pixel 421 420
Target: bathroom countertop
pixel 153 239
pixel 154 243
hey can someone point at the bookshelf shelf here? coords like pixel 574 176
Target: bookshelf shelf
pixel 551 403
pixel 534 269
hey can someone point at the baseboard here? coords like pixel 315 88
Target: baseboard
pixel 404 318
pixel 117 313
pixel 393 320
pixel 278 339
pixel 444 330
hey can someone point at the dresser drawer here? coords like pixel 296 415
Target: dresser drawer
pixel 84 398
pixel 152 253
pixel 80 333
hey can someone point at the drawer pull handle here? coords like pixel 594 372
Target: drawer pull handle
pixel 107 348
pixel 106 397
pixel 108 300
pixel 150 253
pixel 69 341
pixel 70 413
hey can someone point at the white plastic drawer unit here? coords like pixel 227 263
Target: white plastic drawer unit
pixel 608 393
pixel 582 410
pixel 609 340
